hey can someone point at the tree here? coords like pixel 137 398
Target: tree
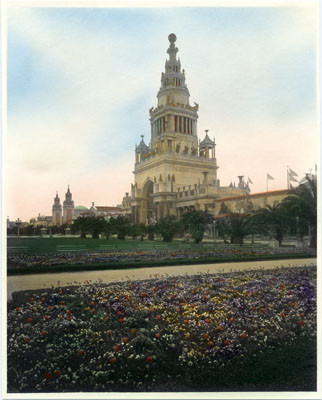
pixel 272 220
pixel 120 226
pixel 237 226
pixel 195 222
pixel 301 205
pixel 167 227
pixel 89 225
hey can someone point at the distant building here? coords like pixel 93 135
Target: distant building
pixel 80 210
pixel 68 208
pixel 57 211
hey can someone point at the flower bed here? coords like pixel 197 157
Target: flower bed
pixel 141 335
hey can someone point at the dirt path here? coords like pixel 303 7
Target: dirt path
pixel 38 281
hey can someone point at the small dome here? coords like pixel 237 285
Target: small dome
pixel 207 142
pixel 81 208
pixel 142 147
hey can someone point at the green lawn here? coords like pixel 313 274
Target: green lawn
pixel 60 244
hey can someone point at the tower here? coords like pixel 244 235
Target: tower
pixel 171 162
pixel 56 211
pixel 68 208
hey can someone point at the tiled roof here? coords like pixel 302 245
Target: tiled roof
pixel 261 194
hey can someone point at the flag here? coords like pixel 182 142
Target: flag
pixel 269 176
pixel 249 180
pixel 291 178
pixel 291 172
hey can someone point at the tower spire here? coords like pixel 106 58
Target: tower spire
pixel 172 50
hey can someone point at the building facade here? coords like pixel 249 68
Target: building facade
pixel 57 211
pixel 68 208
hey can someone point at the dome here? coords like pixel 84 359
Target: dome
pixel 142 147
pixel 81 208
pixel 207 142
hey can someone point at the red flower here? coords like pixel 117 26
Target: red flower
pixel 148 359
pixel 192 306
pixel 26 340
pixel 92 303
pixel 157 335
pixel 86 309
pixel 46 317
pixel 109 332
pixel 121 320
pixel 246 294
pixel 207 320
pixel 293 304
pixel 69 312
pixel 43 299
pixel 112 360
pixel 205 298
pixel 60 291
pixel 186 321
pixel 302 314
pixel 172 297
pixel 17 309
pixel 226 342
pixel 50 307
pixel 158 316
pixel 178 309
pixel 81 352
pixel 116 348
pixel 219 328
pixel 44 333
pixel 282 315
pixel 263 310
pixel 61 317
pixel 232 319
pixel 32 299
pixel 119 313
pixel 56 373
pixel 29 319
pixel 211 343
pixel 133 331
pixel 48 375
pixel 187 335
pixel 125 340
pixel 205 335
pixel 243 336
pixel 300 322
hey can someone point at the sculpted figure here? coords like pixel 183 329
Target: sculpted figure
pixel 178 148
pixel 185 150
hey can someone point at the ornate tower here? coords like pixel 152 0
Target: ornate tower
pixel 171 165
pixel 68 208
pixel 57 211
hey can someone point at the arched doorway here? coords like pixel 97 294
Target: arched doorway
pixel 147 209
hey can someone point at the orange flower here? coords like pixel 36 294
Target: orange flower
pixel 192 306
pixel 187 335
pixel 178 309
pixel 109 332
pixel 300 322
pixel 125 340
pixel 50 307
pixel 17 309
pixel 263 310
pixel 151 309
pixel 92 310
pixel 86 309
pixel 172 297
pixel 121 320
pixel 29 319
pixel 186 321
pixel 293 304
pixel 62 303
pixel 92 303
pixel 81 352
pixel 44 333
pixel 302 314
pixel 119 313
pixel 69 318
pixel 116 348
pixel 219 328
pixel 112 360
pixel 211 343
pixel 60 291
pixel 148 359
pixel 46 317
pixel 243 335
pixel 43 299
pixel 157 335
pixel 106 318
pixel 133 331
pixel 226 342
pixel 26 340
pixel 246 294
pixel 158 316
pixel 205 335
pixel 205 298
pixel 32 299
pixel 61 317
pixel 282 315
pixel 56 373
pixel 69 312
pixel 48 375
pixel 232 319
pixel 207 320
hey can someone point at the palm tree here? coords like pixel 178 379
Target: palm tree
pixel 272 220
pixel 237 226
pixel 167 227
pixel 301 205
pixel 195 222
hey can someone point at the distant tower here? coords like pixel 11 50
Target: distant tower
pixel 68 208
pixel 57 211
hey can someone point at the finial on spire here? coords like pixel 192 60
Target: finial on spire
pixel 206 130
pixel 172 38
pixel 142 136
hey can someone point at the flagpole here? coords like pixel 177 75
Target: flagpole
pixel 266 182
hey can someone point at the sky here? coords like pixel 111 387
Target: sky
pixel 80 82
